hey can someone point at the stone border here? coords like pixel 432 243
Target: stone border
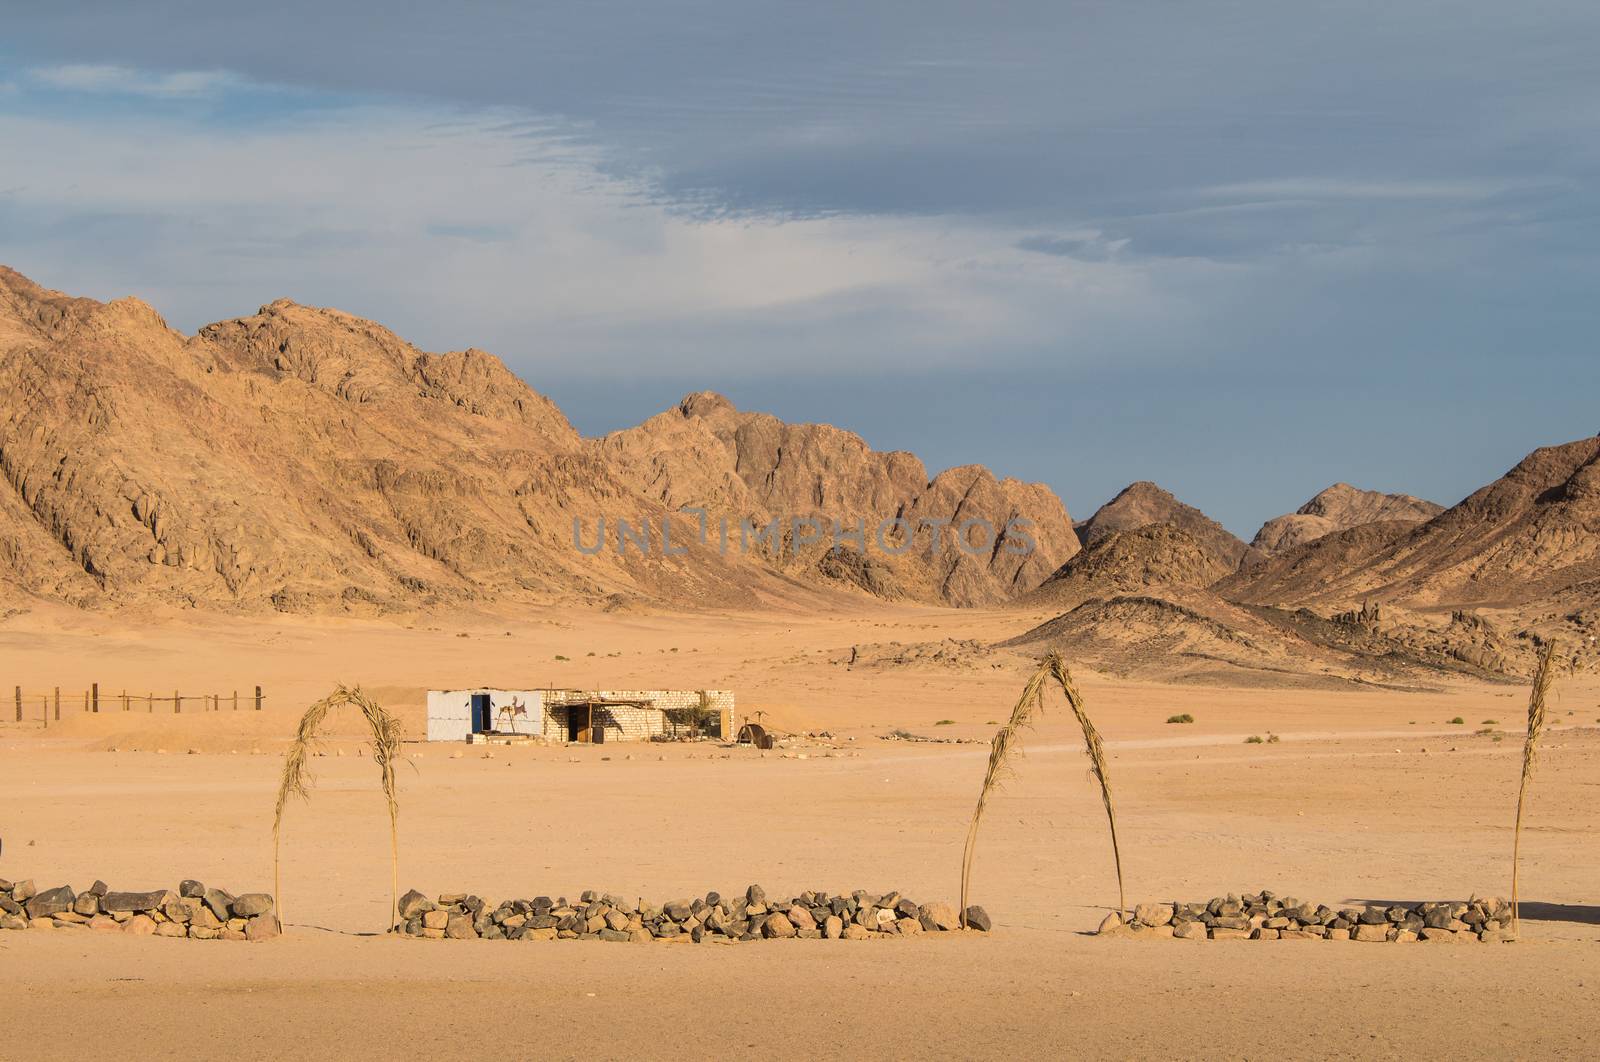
pixel 194 911
pixel 1265 916
pixel 711 918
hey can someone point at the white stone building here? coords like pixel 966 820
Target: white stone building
pixel 567 716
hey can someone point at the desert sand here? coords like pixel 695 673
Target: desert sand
pixel 1369 795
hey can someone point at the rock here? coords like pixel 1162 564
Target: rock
pixel 615 935
pixel 435 919
pixel 978 918
pixel 855 932
pixel 190 887
pixel 1373 931
pixel 907 926
pixel 755 896
pixel 414 904
pixel 832 927
pixel 99 888
pixel 1112 923
pixel 802 918
pixel 139 926
pixel 87 904
pixel 23 891
pixel 1338 934
pixel 777 925
pixel 251 905
pixel 219 902
pixel 171 929
pixel 11 921
pixel 943 916
pixel 198 932
pixel 1373 916
pixel 1190 931
pixel 231 934
pixel 50 902
pixel 1497 934
pixel 136 902
pixel 1223 933
pixel 1264 934
pixel 617 921
pixel 262 927
pixel 1404 936
pixel 678 910
pixel 1153 914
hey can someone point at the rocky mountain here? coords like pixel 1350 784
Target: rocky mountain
pixel 1154 559
pixel 752 468
pixel 1530 537
pixel 306 459
pixel 1143 504
pixel 1340 506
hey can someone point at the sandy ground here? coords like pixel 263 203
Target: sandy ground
pixel 1370 795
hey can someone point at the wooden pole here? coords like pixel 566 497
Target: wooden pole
pixel 150 702
pixel 258 698
pixel 177 703
pixel 44 707
pixel 58 704
pixel 95 690
pixel 236 700
pixel 19 704
pixel 85 702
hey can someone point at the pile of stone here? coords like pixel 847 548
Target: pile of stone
pixel 1266 916
pixel 194 911
pixel 708 919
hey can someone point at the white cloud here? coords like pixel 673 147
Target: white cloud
pixel 462 229
pixel 181 84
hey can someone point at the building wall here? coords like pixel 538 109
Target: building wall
pixel 450 712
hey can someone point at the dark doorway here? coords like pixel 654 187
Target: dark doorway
pixel 481 723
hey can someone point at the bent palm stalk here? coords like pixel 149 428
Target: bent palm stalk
pixel 1542 678
pixel 296 779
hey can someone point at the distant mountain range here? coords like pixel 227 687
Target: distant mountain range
pixel 306 460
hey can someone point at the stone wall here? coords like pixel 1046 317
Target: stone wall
pixel 193 911
pixel 1266 916
pixel 708 919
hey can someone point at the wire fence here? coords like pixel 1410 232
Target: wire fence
pixel 47 706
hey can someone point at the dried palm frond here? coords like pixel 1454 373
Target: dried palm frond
pixel 296 777
pixel 1097 759
pixel 1542 678
pixel 1007 742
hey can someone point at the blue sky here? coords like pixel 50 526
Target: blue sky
pixel 1244 249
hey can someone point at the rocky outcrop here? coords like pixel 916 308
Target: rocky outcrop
pixel 752 468
pixel 1144 504
pixel 1155 558
pixel 1339 507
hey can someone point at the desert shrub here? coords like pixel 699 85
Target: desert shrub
pixel 1184 718
pixel 1457 721
pixel 1253 739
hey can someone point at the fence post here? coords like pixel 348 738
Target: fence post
pixel 58 704
pixel 150 702
pixel 44 708
pixel 95 692
pixel 85 702
pixel 177 703
pixel 19 704
pixel 258 698
pixel 236 700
